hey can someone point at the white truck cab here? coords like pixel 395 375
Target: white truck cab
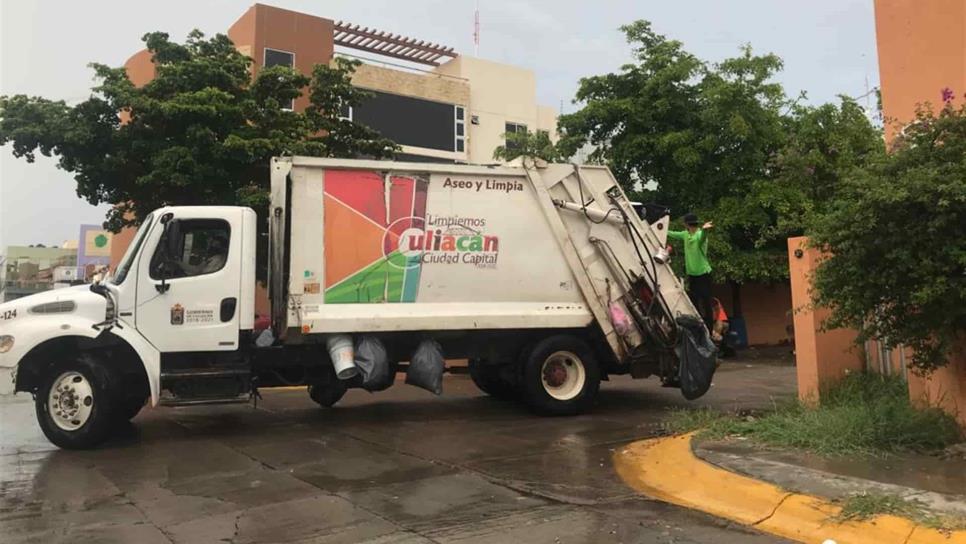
pixel 185 284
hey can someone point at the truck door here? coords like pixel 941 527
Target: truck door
pixel 189 285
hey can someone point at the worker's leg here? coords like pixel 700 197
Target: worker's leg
pixel 693 292
pixel 699 289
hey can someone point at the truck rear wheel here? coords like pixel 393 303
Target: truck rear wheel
pixel 74 405
pixel 489 380
pixel 561 376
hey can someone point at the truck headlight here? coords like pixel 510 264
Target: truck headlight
pixel 6 343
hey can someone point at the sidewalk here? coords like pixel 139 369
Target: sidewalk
pixel 793 495
pixel 940 483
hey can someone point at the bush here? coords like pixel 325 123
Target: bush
pixel 894 236
pixel 863 414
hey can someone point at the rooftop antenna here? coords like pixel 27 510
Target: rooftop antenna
pixel 476 30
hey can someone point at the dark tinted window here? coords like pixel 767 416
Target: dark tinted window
pixel 273 57
pixel 202 249
pixel 408 121
pixel 513 128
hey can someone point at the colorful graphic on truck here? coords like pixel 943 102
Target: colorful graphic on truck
pixel 359 209
pixel 378 236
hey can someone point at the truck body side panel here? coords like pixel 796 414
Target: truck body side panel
pixel 374 250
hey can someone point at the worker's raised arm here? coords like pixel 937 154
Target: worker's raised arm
pixel 675 235
pixel 703 231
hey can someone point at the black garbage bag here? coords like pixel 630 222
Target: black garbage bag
pixel 697 357
pixel 426 367
pixel 377 371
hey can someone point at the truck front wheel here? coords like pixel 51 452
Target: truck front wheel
pixel 561 376
pixel 130 407
pixel 74 405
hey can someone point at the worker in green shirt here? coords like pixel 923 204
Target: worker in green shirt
pixel 696 264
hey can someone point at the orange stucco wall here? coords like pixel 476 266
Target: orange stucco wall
pixel 821 357
pixel 922 50
pixel 308 37
pixel 767 310
pixel 945 388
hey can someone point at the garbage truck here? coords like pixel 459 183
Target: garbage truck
pixel 542 276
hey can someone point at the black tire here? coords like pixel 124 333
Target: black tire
pixel 581 376
pixel 328 393
pixel 128 408
pixel 488 379
pixel 101 408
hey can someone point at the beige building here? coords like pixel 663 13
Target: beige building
pixel 436 104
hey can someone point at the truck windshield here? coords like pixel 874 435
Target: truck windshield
pixel 132 250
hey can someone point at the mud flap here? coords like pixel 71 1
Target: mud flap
pixel 697 357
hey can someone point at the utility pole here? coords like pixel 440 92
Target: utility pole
pixel 476 31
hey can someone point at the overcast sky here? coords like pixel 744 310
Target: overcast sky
pixel 45 46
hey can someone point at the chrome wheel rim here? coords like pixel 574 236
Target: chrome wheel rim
pixel 563 375
pixel 70 401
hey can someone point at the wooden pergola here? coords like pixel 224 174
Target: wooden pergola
pixel 391 45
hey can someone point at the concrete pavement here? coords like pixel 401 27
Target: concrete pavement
pixel 400 466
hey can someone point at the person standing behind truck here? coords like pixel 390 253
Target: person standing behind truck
pixel 696 264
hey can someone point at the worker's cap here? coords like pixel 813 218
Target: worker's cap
pixel 690 219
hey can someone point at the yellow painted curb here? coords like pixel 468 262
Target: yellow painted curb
pixel 667 469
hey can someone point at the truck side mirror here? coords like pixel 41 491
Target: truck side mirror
pixel 172 240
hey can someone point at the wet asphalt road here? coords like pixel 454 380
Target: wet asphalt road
pixel 400 466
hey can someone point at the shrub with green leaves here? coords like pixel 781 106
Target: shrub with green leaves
pixel 895 236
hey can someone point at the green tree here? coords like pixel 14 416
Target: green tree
pixel 531 145
pixel 822 145
pixel 697 136
pixel 201 132
pixel 895 235
pixel 722 140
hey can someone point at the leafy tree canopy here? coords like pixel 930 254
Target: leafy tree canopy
pixel 201 132
pixel 895 236
pixel 530 145
pixel 722 140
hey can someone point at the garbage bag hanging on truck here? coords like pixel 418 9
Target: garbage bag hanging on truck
pixel 426 367
pixel 377 371
pixel 696 355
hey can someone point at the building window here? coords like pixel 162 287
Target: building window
pixel 276 57
pixel 407 120
pixel 345 112
pixel 460 129
pixel 513 128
